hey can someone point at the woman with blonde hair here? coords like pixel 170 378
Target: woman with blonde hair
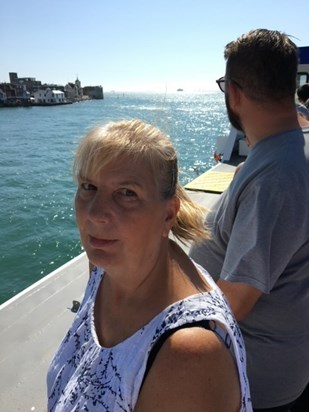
pixel 153 332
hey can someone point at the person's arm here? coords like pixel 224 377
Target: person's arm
pixel 241 297
pixel 194 372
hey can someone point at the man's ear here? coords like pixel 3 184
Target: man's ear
pixel 172 209
pixel 235 95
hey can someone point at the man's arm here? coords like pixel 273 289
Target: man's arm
pixel 241 297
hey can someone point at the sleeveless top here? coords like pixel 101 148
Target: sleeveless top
pixel 84 376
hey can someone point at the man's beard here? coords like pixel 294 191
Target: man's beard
pixel 233 117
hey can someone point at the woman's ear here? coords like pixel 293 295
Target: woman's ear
pixel 172 209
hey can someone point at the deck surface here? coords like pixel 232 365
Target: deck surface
pixel 215 180
pixel 33 323
pixel 31 327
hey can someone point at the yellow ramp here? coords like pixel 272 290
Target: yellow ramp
pixel 211 181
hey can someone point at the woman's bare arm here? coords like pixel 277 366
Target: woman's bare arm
pixel 193 372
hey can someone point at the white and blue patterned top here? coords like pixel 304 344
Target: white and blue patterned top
pixel 84 376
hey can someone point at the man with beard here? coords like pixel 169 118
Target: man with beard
pixel 259 249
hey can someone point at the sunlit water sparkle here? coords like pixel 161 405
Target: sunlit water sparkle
pixel 37 224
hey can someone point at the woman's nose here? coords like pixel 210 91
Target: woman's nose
pixel 100 208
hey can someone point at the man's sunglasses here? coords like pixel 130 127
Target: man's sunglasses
pixel 221 83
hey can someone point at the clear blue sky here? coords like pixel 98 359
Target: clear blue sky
pixel 135 44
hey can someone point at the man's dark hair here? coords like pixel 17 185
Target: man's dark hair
pixel 264 64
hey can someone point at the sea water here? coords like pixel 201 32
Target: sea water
pixel 37 224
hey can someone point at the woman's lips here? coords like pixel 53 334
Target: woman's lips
pixel 100 243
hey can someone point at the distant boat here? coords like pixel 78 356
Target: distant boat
pixel 179 90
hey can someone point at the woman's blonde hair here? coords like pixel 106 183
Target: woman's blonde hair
pixel 139 140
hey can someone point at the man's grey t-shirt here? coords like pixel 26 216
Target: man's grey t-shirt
pixel 260 236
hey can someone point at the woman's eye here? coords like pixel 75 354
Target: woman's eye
pixel 87 186
pixel 127 193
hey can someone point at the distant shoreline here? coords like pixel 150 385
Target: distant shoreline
pixel 27 103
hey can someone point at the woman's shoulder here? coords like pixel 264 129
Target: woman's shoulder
pixel 189 373
pixel 94 280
